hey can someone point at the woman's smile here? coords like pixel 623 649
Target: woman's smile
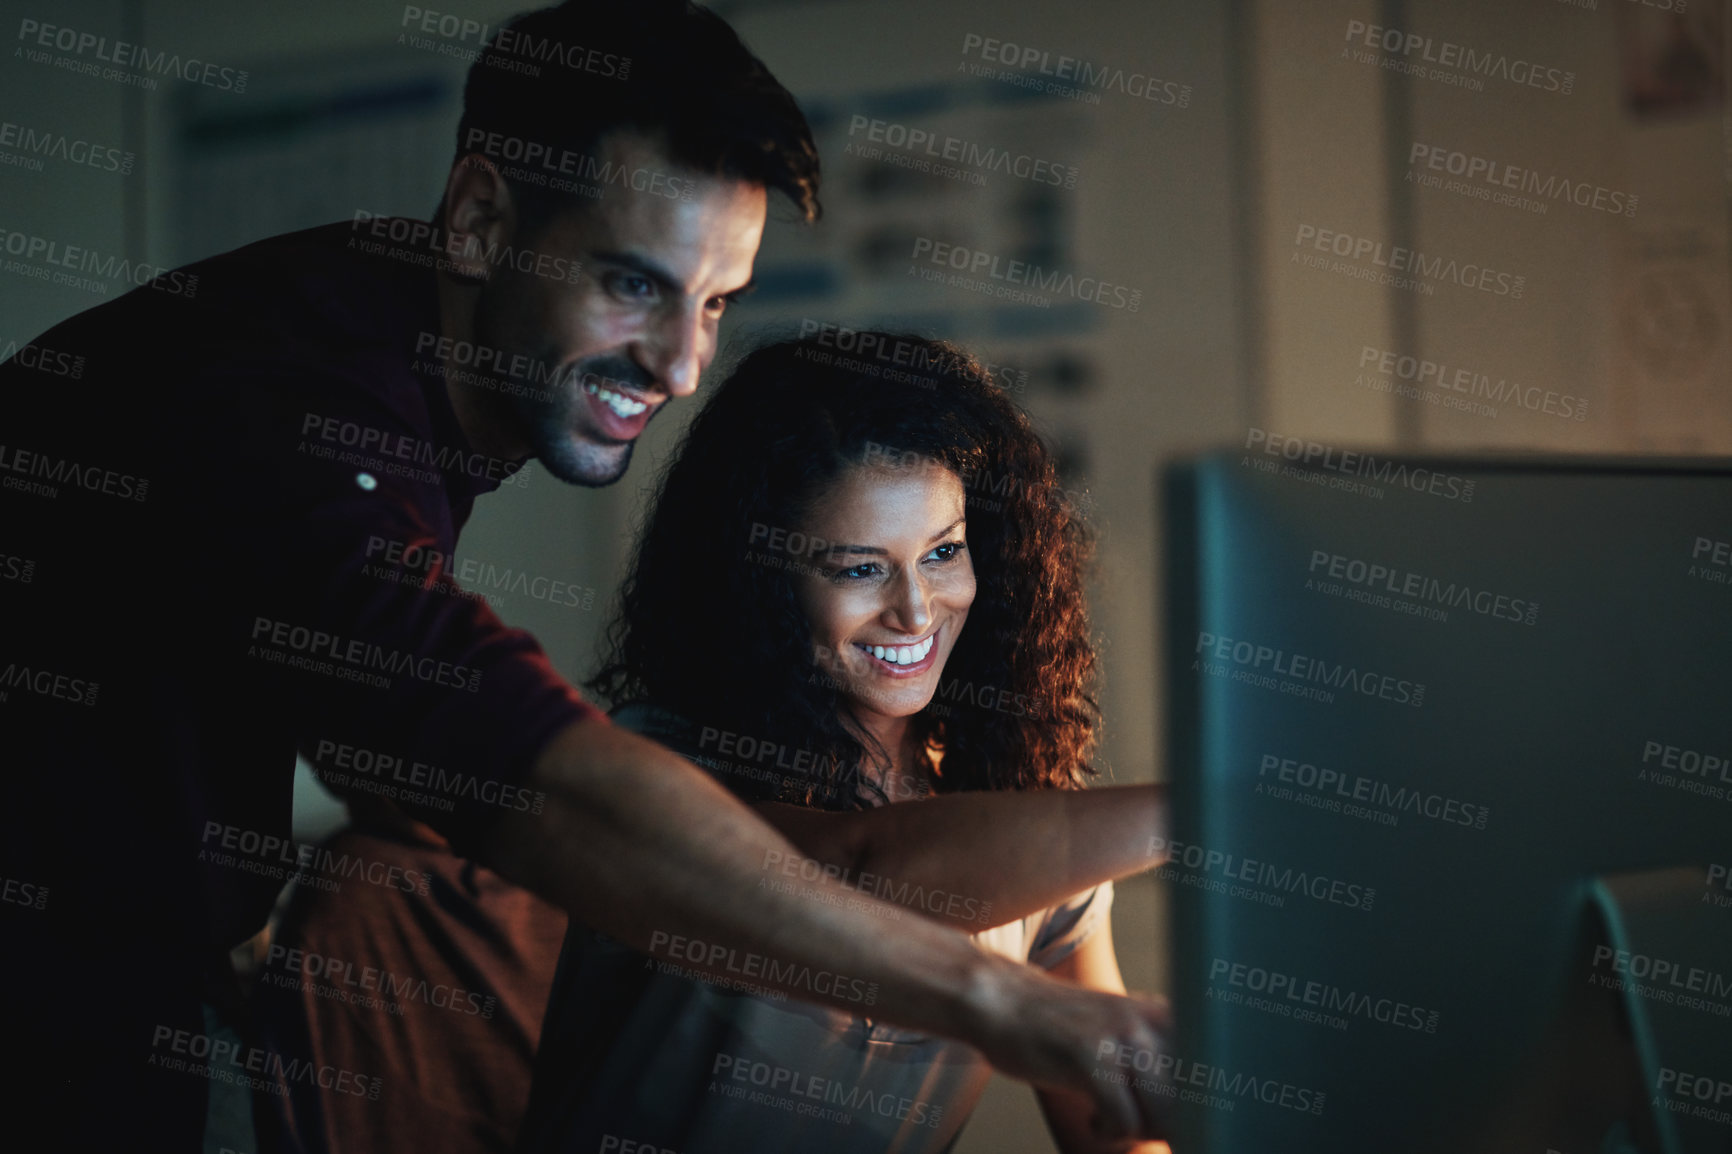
pixel 905 659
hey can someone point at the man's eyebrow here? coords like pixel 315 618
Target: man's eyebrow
pixel 641 265
pixel 874 551
pixel 663 277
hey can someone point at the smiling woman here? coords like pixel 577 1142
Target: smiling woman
pixel 890 607
pixel 818 512
pixel 823 614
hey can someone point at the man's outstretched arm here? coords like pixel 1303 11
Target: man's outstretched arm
pixel 638 843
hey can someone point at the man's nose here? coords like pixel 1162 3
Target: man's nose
pixel 675 350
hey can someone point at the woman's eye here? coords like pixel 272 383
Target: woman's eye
pixel 948 551
pixel 856 572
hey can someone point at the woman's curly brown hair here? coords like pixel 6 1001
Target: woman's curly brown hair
pixel 709 626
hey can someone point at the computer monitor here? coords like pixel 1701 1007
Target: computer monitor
pixel 1419 712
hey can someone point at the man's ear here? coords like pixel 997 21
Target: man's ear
pixel 478 216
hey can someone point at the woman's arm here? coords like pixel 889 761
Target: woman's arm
pixel 1093 964
pixel 976 860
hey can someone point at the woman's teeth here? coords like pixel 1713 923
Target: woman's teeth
pixel 902 654
pixel 624 406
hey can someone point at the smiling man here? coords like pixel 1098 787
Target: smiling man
pixel 633 332
pixel 212 511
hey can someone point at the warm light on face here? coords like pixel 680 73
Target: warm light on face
pixel 638 324
pixel 890 597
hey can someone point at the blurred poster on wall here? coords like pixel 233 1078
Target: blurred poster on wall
pixel 1675 266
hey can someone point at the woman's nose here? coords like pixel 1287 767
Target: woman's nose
pixel 912 607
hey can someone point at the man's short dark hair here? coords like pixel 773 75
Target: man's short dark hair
pixel 553 82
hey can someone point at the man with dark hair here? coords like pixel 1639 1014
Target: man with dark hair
pixel 239 521
pixel 644 95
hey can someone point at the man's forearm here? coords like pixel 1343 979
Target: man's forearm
pixel 638 843
pixel 976 860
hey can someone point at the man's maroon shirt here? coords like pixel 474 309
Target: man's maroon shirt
pixel 232 455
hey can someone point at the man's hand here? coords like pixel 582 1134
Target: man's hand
pixel 1056 1034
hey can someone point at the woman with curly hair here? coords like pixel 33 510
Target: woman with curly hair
pixel 856 588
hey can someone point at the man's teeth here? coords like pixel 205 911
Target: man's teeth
pixel 901 654
pixel 624 406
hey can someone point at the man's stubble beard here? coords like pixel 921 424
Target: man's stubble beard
pixel 545 413
pixel 573 458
